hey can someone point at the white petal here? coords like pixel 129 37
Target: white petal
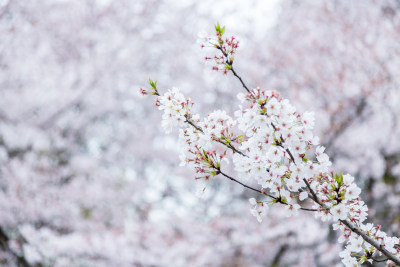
pixel 303 195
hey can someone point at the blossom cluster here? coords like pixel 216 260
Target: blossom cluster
pixel 227 46
pixel 358 251
pixel 277 148
pixel 176 109
pixel 279 143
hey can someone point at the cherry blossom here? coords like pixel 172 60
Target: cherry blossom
pixel 276 149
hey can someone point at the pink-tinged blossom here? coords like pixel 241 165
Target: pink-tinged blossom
pixel 347 259
pixel 294 185
pixel 273 106
pixel 323 159
pixel 275 154
pixel 308 120
pixel 297 171
pixel 298 147
pixel 259 210
pixel 339 212
pixel 355 244
pixel 352 192
pixel 348 179
pixel 292 210
pixel 324 214
pixel 319 151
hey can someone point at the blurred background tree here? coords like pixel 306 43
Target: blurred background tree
pixel 87 178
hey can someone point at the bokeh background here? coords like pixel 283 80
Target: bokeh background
pixel 87 176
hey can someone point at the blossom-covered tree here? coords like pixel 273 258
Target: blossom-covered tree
pixel 86 178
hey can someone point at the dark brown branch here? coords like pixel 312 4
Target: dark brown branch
pixel 287 150
pixel 314 195
pixel 233 70
pixel 308 209
pixel 193 125
pixel 245 185
pixel 240 79
pixel 232 148
pixel 278 200
pixel 280 143
pixel 379 260
pixel 290 155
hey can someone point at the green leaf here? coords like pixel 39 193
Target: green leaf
pixel 217 27
pixel 339 179
pixel 205 154
pixel 152 83
pixel 336 178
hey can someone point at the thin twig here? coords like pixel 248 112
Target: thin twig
pixel 281 145
pixel 314 195
pixel 378 260
pixel 278 200
pixel 233 148
pixel 233 70
pixel 245 185
pixel 240 79
pixel 193 125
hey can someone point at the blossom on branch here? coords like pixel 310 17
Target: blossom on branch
pixel 275 147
